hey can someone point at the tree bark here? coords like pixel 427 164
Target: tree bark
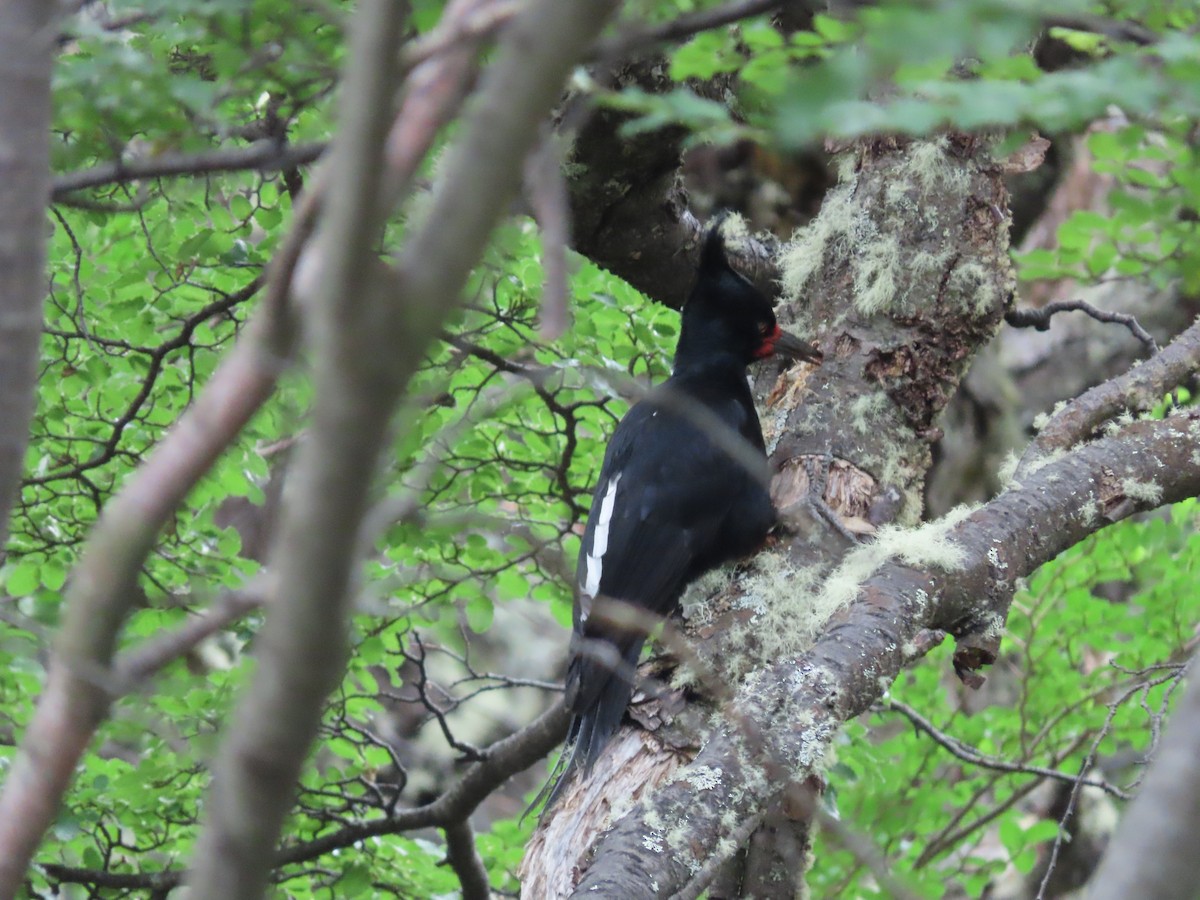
pixel 28 29
pixel 901 279
pixel 1153 854
pixel 370 333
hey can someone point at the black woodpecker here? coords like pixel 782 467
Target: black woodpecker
pixel 671 502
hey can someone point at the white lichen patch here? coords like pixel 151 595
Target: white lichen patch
pixel 928 165
pixel 1089 512
pixel 866 411
pixel 924 545
pixel 702 778
pixel 1142 491
pixel 653 842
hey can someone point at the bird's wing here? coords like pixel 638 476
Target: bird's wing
pixel 661 500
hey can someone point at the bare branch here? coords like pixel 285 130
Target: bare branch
pixel 1153 854
pixel 501 761
pixel 302 647
pixel 1039 318
pixel 970 755
pixel 27 47
pixel 146 660
pixel 103 584
pixel 547 191
pixel 1136 391
pixel 1117 29
pixel 265 156
pixel 367 347
pixel 682 27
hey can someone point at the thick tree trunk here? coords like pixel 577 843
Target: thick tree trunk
pixel 901 279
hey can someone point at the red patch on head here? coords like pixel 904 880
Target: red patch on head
pixel 767 347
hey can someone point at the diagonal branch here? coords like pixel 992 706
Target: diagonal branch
pixel 802 702
pixel 265 156
pixel 1136 391
pixel 369 335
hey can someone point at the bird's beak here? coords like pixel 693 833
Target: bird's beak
pixel 792 347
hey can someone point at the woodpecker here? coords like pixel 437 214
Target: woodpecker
pixel 672 501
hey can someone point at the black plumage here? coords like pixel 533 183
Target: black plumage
pixel 671 501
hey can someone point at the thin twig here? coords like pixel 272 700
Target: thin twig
pixel 1039 319
pixel 681 28
pixel 267 155
pixel 973 756
pixel 150 657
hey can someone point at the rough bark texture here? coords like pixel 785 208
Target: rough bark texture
pixel 27 33
pixel 629 209
pixel 1026 372
pixel 800 701
pixel 901 279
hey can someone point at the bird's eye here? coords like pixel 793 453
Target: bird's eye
pixel 764 328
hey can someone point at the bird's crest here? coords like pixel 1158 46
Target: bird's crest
pixel 713 259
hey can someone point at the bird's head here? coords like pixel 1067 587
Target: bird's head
pixel 726 318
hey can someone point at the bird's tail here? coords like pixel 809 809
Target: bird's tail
pixel 598 692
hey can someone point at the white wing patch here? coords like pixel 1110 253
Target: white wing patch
pixel 595 554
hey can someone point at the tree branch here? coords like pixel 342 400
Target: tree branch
pixel 1135 391
pixel 302 647
pixel 1039 318
pixel 27 29
pixel 265 156
pixel 1153 854
pixel 463 858
pixel 970 755
pixel 801 703
pixel 501 761
pixel 367 348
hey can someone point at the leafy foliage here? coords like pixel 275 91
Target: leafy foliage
pixel 1095 648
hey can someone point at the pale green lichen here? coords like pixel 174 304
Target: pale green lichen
pixel 876 270
pixel 925 545
pixel 866 411
pixel 702 778
pixel 1008 470
pixel 734 229
pixel 1040 462
pixel 839 220
pixel 695 600
pixel 1146 492
pixel 1114 427
pixel 928 165
pixel 973 286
